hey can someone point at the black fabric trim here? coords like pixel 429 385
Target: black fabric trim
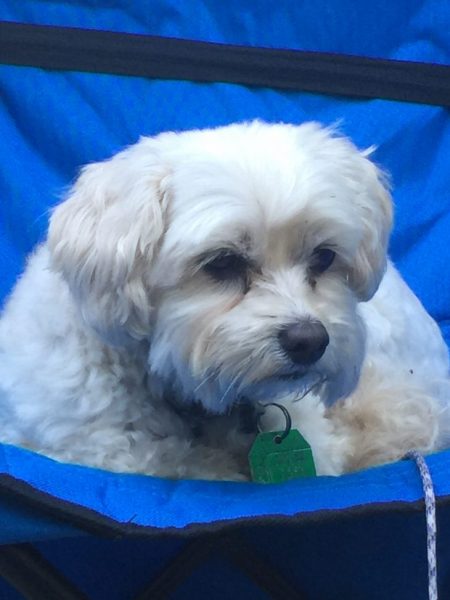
pixel 93 522
pixel 72 49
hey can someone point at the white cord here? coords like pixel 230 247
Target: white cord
pixel 430 514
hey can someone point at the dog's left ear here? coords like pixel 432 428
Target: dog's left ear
pixel 104 236
pixel 374 208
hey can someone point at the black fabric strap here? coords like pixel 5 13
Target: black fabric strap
pixel 71 49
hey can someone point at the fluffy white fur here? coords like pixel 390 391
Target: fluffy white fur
pixel 116 310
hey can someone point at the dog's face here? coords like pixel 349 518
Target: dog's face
pixel 239 253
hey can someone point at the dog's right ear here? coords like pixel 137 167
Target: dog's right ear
pixel 104 236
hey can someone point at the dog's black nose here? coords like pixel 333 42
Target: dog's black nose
pixel 304 342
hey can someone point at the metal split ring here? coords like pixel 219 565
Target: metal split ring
pixel 287 428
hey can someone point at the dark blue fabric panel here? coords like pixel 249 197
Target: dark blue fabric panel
pixel 368 557
pixel 381 557
pixel 123 568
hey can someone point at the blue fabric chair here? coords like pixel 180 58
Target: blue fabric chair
pixel 70 531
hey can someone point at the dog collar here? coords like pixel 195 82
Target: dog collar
pixel 197 417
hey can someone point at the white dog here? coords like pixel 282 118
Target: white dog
pixel 212 268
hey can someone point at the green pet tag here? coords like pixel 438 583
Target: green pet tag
pixel 276 457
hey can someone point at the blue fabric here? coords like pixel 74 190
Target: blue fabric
pixel 152 502
pixel 51 123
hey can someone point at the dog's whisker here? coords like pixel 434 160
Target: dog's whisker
pixel 203 381
pixel 245 367
pixel 311 387
pixel 233 381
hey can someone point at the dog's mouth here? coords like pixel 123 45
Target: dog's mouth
pixel 298 383
pixel 292 376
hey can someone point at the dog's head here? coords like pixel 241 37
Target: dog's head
pixel 239 253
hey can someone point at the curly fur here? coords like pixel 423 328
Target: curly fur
pixel 116 310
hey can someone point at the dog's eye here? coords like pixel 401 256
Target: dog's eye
pixel 321 260
pixel 226 266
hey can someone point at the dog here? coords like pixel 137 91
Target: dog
pixel 196 272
